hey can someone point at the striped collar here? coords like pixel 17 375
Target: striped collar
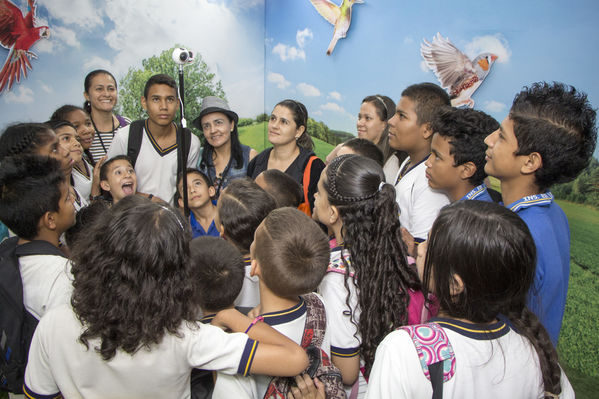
pixel 208 318
pixel 475 331
pixel 475 192
pixel 247 261
pixel 531 200
pixel 287 315
pixel 161 151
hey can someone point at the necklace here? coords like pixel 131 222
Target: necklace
pixel 100 133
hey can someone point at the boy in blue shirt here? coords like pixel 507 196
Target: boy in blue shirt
pixel 202 209
pixel 548 137
pixel 456 165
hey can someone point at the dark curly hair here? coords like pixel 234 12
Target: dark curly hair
pixel 466 130
pixel 558 122
pixel 300 117
pixel 133 277
pixel 371 233
pixel 492 250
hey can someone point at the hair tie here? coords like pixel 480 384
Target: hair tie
pixel 381 186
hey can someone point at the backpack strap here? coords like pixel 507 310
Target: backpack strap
pixel 38 247
pixel 136 129
pixel 306 179
pixel 435 352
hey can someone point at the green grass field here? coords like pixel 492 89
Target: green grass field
pixel 256 137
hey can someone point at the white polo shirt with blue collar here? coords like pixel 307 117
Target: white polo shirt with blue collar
pixel 550 231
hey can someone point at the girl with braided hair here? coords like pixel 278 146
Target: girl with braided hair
pixel 369 288
pixel 479 261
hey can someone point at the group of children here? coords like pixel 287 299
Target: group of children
pixel 410 278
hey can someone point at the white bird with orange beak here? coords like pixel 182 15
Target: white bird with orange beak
pixel 456 72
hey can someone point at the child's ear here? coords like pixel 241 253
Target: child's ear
pixel 104 185
pixel 468 170
pixel 333 214
pixel 533 162
pixel 457 285
pixel 143 103
pixel 255 269
pixel 211 191
pixel 180 202
pixel 426 130
pixel 48 220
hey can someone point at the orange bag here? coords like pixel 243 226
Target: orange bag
pixel 305 206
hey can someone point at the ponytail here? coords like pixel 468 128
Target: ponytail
pixel 23 138
pixel 528 325
pixel 305 141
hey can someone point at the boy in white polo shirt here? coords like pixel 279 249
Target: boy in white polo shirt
pixel 156 163
pixel 410 131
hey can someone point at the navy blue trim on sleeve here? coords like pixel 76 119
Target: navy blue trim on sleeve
pixel 245 364
pixel 32 395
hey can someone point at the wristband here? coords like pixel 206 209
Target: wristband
pixel 257 319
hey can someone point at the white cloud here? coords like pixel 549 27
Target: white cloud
pixel 302 35
pixel 495 44
pixel 332 107
pixel 308 90
pixel 335 95
pixel 286 52
pixel 494 106
pixel 44 45
pixel 424 67
pixel 278 79
pixel 245 4
pixel 317 113
pixel 96 62
pixel 44 87
pixel 80 12
pixel 65 35
pixel 24 95
pixel 408 40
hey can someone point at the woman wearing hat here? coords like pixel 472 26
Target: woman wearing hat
pixel 223 157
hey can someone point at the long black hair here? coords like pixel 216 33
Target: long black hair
pixel 371 233
pixel 492 251
pixel 236 149
pixel 133 277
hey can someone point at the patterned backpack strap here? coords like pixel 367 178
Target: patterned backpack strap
pixel 432 346
pixel 316 321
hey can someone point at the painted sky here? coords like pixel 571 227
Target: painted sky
pixel 536 40
pixel 119 34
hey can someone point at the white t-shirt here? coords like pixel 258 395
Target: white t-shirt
pixel 156 168
pixel 249 296
pixel 59 362
pixel 419 205
pixel 345 337
pixel 47 282
pixel 289 322
pixel 501 364
pixel 82 183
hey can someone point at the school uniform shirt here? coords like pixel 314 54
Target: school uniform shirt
pixel 491 361
pixel 549 228
pixel 83 183
pixel 156 167
pixel 58 362
pixel 47 282
pixel 249 296
pixel 479 193
pixel 198 231
pixel 289 322
pixel 419 204
pixel 345 337
pixel 391 168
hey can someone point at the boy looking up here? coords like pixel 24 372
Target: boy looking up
pixel 548 137
pixel 457 161
pixel 199 199
pixel 410 131
pixel 156 162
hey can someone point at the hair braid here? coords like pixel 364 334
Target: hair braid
pixel 22 138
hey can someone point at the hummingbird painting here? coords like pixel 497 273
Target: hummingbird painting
pixel 338 16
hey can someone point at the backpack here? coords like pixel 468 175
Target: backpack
pixel 17 325
pixel 305 206
pixel 136 129
pixel 320 364
pixel 435 352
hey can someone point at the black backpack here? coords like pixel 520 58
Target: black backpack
pixel 17 325
pixel 134 144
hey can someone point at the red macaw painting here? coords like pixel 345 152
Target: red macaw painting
pixel 17 34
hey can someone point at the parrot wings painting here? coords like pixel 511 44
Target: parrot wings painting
pixel 17 34
pixel 456 72
pixel 338 16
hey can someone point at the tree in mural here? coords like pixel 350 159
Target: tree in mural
pixel 199 83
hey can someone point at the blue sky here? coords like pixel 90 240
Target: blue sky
pixel 119 34
pixel 538 40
